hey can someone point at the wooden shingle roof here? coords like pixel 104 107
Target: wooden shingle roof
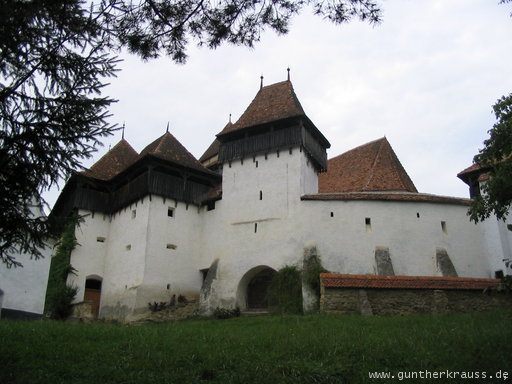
pixel 370 167
pixel 116 160
pixel 168 148
pixel 334 280
pixel 272 103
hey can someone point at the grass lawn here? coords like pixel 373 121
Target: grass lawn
pixel 274 349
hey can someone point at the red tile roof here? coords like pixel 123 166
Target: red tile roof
pixel 113 162
pixel 388 196
pixel 334 280
pixel 273 102
pixel 370 167
pixel 168 148
pixel 473 168
pixel 472 171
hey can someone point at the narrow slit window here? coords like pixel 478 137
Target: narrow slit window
pixel 368 223
pixel 171 246
pixel 255 227
pixel 261 195
pixel 418 215
pixel 256 163
pixel 443 227
pixel 332 214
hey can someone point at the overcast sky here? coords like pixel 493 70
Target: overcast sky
pixel 426 78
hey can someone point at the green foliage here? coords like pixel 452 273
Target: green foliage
pixel 54 58
pixel 311 272
pixel 285 291
pixel 59 295
pixel 226 313
pixel 254 350
pixel 150 28
pixel 496 159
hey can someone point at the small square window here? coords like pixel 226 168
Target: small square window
pixel 170 212
pixel 101 239
pixel 134 214
pixel 443 227
pixel 171 246
pixel 128 247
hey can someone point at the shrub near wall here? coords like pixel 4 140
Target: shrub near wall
pixel 59 295
pixel 285 291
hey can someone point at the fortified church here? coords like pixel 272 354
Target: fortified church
pixel 161 223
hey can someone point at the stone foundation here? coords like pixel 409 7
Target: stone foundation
pixel 361 300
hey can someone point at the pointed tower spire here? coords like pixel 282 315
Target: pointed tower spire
pixel 261 81
pixel 288 70
pixel 122 133
pixel 167 129
pixel 230 117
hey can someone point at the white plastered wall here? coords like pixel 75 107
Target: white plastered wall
pixel 172 256
pixel 24 289
pixel 88 258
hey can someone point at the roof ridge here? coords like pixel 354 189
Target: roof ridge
pixel 113 162
pixel 168 148
pixel 356 148
pixel 374 163
pixel 271 103
pixel 401 176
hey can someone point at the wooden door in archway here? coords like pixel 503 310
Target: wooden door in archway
pixel 93 294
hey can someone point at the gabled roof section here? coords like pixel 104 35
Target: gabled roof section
pixel 370 167
pixel 273 102
pixel 120 157
pixel 168 148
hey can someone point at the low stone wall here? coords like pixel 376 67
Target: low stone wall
pixel 178 312
pixel 82 312
pixel 352 296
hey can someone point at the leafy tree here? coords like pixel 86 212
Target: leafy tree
pixel 55 59
pixel 496 159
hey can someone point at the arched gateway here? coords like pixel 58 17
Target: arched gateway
pixel 252 292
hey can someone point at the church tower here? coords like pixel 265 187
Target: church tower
pixel 272 155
